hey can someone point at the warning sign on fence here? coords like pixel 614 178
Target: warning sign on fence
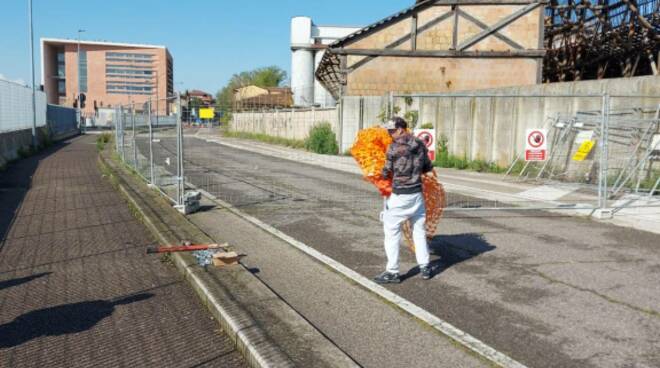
pixel 584 150
pixel 536 145
pixel 428 137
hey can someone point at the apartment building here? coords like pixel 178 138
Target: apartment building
pixel 110 74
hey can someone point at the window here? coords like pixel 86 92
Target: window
pixel 128 55
pixel 129 88
pixel 61 70
pixel 83 71
pixel 109 71
pixel 61 87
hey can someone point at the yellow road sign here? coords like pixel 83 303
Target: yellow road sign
pixel 206 113
pixel 584 150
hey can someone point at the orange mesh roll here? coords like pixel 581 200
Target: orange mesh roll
pixel 369 151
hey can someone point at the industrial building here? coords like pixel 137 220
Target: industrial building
pixel 255 97
pixel 308 44
pixel 601 39
pixel 110 74
pixel 440 46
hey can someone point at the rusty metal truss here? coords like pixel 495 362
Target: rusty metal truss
pixel 601 39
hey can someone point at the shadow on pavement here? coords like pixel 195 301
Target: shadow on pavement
pixel 15 182
pixel 21 280
pixel 453 249
pixel 61 320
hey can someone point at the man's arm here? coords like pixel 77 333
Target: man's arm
pixel 389 163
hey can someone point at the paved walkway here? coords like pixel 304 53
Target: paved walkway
pixel 76 289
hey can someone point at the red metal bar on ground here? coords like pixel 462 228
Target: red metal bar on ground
pixel 183 248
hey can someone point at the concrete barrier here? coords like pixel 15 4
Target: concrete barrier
pixel 291 124
pixel 489 125
pixel 11 143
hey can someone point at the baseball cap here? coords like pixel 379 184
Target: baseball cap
pixel 395 123
pixel 389 125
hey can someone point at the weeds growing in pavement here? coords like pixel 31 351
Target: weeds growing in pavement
pixel 102 140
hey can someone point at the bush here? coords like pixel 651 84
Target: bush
pixel 426 126
pixel 322 140
pixel 102 140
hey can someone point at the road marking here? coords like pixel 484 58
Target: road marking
pixel 440 325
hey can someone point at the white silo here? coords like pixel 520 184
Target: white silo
pixel 302 61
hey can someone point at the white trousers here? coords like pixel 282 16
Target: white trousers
pixel 399 208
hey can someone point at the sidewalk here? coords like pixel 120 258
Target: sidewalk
pixel 490 188
pixel 76 289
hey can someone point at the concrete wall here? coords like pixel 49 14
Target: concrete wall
pixel 291 124
pixel 12 142
pixel 490 125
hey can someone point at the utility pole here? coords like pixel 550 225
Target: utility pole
pixel 34 89
pixel 80 120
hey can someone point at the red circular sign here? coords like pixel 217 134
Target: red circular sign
pixel 426 137
pixel 536 139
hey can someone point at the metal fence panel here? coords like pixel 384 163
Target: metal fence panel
pixel 61 119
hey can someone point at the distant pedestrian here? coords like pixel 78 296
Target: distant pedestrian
pixel 407 160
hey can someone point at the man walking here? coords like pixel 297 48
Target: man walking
pixel 407 161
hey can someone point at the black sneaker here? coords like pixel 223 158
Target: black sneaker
pixel 426 272
pixel 388 278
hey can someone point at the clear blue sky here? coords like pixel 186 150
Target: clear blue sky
pixel 209 39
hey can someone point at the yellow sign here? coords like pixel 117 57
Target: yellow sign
pixel 584 150
pixel 206 113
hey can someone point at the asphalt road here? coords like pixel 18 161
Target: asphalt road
pixel 547 290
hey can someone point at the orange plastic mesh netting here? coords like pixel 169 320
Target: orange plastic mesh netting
pixel 435 200
pixel 369 151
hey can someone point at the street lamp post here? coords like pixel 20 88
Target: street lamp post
pixel 157 111
pixel 34 90
pixel 80 120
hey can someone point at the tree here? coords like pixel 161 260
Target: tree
pixel 270 76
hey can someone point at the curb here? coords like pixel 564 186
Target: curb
pixel 257 349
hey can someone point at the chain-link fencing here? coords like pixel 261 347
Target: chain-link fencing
pixel 148 139
pixel 599 151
